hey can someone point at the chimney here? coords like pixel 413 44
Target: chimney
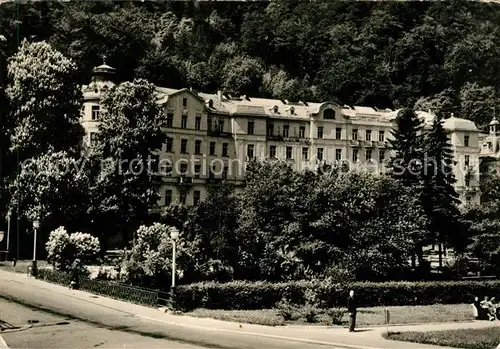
pixel 219 97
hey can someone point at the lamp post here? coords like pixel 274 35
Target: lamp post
pixel 2 234
pixel 36 225
pixel 9 214
pixel 174 235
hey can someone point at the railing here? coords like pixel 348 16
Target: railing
pixel 218 133
pixel 110 289
pixel 274 138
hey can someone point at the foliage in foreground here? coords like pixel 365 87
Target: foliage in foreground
pixel 485 338
pixel 63 248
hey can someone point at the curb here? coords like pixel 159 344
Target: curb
pixel 3 345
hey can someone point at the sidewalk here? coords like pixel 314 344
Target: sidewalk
pixel 364 338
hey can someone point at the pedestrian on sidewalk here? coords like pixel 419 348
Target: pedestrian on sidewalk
pixel 351 309
pixel 75 269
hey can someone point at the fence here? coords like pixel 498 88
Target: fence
pixel 112 289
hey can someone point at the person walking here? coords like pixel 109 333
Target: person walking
pixel 351 309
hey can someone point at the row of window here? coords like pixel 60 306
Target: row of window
pixel 319 132
pixel 182 197
pixel 183 170
pixel 197 147
pixel 320 152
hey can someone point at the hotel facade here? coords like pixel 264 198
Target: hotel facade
pixel 211 136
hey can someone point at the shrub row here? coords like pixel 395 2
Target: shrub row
pixel 263 295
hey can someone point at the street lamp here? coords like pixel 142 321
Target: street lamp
pixel 36 225
pixel 8 233
pixel 2 234
pixel 174 235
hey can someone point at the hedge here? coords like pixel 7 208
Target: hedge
pixel 264 295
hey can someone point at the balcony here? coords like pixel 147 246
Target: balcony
pixel 276 138
pixel 368 144
pixel 185 180
pixel 354 142
pixel 218 133
pixel 301 140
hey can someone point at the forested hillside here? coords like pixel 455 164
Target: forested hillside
pixel 440 55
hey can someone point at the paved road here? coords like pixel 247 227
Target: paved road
pixel 122 322
pixel 23 327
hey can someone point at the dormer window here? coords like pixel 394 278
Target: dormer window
pixel 292 110
pixel 211 103
pixel 329 114
pixel 275 109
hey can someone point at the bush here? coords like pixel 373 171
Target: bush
pixel 336 315
pixel 265 295
pixel 63 248
pixel 285 309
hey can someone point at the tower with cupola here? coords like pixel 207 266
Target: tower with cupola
pixel 103 78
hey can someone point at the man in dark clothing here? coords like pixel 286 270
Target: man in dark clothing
pixel 351 308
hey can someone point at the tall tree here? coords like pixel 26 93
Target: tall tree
pixel 407 145
pixel 129 132
pixel 439 198
pixel 46 101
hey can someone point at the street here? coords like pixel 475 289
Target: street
pixel 23 327
pixel 92 325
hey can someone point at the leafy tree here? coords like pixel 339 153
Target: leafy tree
pixel 407 145
pixel 242 75
pixel 52 188
pixel 48 101
pixel 478 103
pixel 129 132
pixel 441 104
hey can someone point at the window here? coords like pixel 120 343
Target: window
pixel 220 125
pixel 270 129
pixel 250 149
pixel 355 134
pixel 184 121
pixel 197 123
pixel 338 133
pixel 168 169
pixel 224 149
pixel 467 182
pixel 93 138
pixel 355 155
pixel 184 144
pixel 381 155
pixel 212 148
pixel 467 160
pixel 184 169
pixel 368 155
pixel 182 197
pixel 168 197
pixel 286 131
pixel 155 162
pixel 170 119
pixel 272 151
pixel 320 154
pixel 184 102
pixel 170 145
pixel 468 199
pixel 302 131
pixel 368 135
pixel 197 171
pixel 338 154
pixel 196 197
pixel 209 123
pixel 251 126
pixel 288 152
pixel 197 147
pixel 305 153
pixel 211 173
pixel 320 132
pixel 466 141
pixel 225 170
pixel 381 136
pixel 329 114
pixel 95 112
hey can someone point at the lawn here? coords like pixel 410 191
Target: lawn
pixel 486 338
pixel 366 316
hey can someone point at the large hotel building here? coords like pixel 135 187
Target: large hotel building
pixel 231 131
